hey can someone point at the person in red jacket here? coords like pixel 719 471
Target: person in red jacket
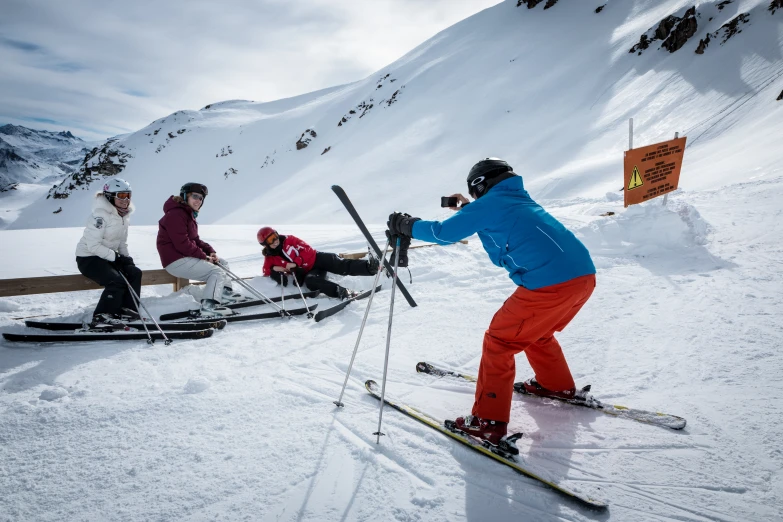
pixel 183 253
pixel 284 255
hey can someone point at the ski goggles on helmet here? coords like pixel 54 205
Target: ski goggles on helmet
pixel 122 195
pixel 271 238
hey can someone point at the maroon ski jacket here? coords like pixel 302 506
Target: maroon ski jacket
pixel 178 233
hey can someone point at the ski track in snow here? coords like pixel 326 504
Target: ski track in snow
pixel 242 425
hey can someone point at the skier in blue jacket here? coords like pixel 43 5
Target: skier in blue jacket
pixel 554 274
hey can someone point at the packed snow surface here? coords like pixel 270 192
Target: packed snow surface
pixel 685 319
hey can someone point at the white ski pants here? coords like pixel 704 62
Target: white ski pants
pixel 200 270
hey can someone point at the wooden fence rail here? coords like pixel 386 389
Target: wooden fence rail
pixel 77 282
pixel 73 283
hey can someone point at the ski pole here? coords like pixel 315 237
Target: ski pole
pixel 309 313
pixel 388 339
pixel 252 290
pixel 150 340
pixel 339 402
pixel 138 303
pixel 282 293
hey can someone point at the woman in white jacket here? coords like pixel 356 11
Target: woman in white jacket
pixel 102 254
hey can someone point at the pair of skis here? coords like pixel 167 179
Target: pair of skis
pixel 655 418
pixel 195 315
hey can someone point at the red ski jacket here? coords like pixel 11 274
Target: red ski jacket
pixel 178 234
pixel 292 250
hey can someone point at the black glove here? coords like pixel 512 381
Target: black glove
pixel 401 224
pixel 279 278
pixel 122 261
pixel 405 243
pixel 299 273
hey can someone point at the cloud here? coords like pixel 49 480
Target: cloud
pixel 44 120
pixel 114 66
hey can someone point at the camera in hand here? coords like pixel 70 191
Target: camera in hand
pixel 446 201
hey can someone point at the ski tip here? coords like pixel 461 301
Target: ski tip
pixel 371 385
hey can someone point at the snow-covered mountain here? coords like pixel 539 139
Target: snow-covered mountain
pixel 31 161
pixel 549 88
pixel 30 156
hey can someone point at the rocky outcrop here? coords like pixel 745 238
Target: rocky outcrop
pixel 780 96
pixel 305 139
pixel 101 162
pixel 529 3
pixel 673 30
pixel 727 30
pixel 775 5
pixel 600 8
pixel 703 43
pixel 681 31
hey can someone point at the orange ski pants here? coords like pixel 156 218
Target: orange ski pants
pixel 527 322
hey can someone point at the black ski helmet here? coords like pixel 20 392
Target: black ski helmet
pixel 192 186
pixel 486 174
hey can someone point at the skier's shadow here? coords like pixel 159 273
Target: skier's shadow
pixel 506 494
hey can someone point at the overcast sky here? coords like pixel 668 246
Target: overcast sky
pixel 105 67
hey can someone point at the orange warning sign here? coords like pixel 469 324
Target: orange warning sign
pixel 652 171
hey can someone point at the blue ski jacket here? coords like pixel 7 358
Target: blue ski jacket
pixel 518 235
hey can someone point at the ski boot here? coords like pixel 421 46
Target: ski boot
pixel 373 265
pixel 343 293
pixel 211 308
pixel 110 322
pixel 492 434
pixel 532 387
pixel 230 297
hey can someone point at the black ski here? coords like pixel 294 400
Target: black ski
pixel 237 317
pixel 241 304
pixel 355 215
pixel 217 324
pixel 323 314
pixel 104 336
pixel 259 302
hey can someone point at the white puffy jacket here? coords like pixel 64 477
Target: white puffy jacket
pixel 106 231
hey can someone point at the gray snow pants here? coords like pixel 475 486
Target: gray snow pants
pixel 201 270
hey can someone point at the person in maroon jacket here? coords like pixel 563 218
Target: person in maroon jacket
pixel 184 254
pixel 289 255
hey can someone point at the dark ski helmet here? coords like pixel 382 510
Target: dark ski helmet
pixel 192 186
pixel 265 233
pixel 486 174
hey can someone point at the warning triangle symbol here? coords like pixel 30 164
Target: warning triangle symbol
pixel 636 179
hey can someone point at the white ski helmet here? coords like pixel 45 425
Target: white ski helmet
pixel 116 186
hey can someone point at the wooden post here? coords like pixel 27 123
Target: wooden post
pixel 180 283
pixel 666 196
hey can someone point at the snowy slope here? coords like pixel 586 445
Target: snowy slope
pixel 685 319
pixel 549 90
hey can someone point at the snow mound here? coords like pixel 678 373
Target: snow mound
pixel 197 384
pixel 647 230
pixel 52 394
pixel 8 306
